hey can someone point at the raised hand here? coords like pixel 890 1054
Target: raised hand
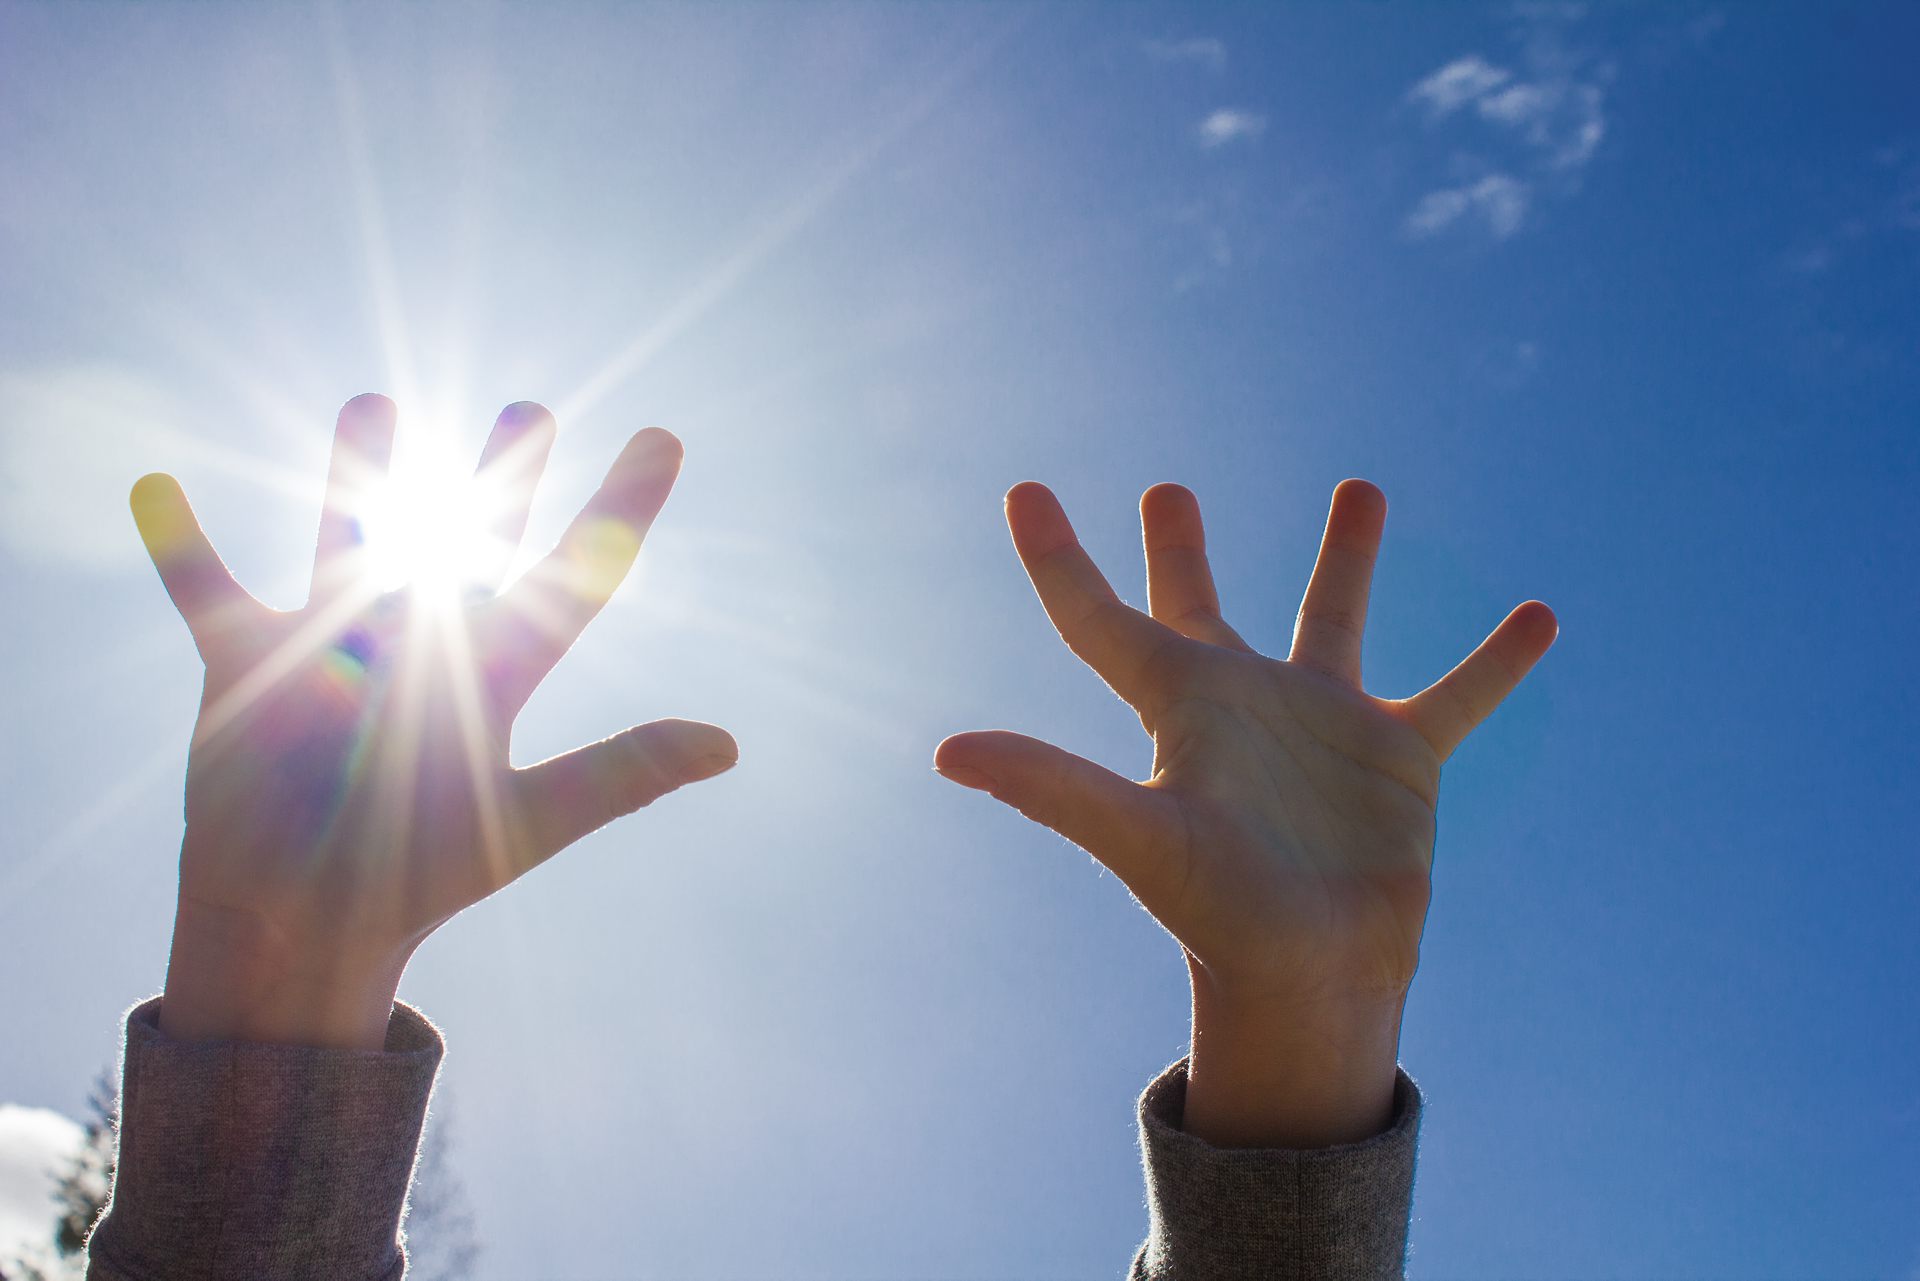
pixel 1286 835
pixel 349 788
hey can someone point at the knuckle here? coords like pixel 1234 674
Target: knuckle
pixel 637 778
pixel 1343 623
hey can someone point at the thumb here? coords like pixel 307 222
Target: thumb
pixel 1134 831
pixel 562 799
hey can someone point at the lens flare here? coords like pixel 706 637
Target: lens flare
pixel 430 528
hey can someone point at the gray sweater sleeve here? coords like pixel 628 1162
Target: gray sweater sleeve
pixel 283 1163
pixel 264 1161
pixel 1222 1214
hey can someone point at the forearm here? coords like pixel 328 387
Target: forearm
pixel 233 976
pixel 1295 1073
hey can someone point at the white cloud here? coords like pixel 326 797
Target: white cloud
pixel 1538 126
pixel 35 1146
pixel 1562 119
pixel 1198 51
pixel 1558 113
pixel 1519 105
pixel 1499 200
pixel 1227 125
pixel 1459 82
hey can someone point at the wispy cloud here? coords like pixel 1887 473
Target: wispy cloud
pixel 1204 52
pixel 1455 85
pixel 1535 126
pixel 1880 209
pixel 1563 120
pixel 1230 125
pixel 1498 201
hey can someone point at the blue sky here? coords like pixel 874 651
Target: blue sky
pixel 1621 308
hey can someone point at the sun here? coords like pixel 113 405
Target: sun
pixel 430 526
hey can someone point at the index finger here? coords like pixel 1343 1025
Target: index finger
pixel 1105 633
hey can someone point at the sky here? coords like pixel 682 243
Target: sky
pixel 1620 306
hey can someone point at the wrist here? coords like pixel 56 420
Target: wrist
pixel 234 975
pixel 1290 1070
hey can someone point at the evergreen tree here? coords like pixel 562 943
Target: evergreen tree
pixel 84 1189
pixel 439 1228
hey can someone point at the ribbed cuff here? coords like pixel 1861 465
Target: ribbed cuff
pixel 264 1161
pixel 1221 1213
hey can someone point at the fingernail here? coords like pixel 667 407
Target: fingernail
pixel 657 443
pixel 522 413
pixel 965 777
pixel 705 767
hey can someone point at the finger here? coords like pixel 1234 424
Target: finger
pixel 1131 829
pixel 194 575
pixel 1333 615
pixel 1180 591
pixel 362 449
pixel 1449 709
pixel 1113 639
pixel 544 612
pixel 560 800
pixel 510 466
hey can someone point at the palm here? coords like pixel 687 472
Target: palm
pixel 1307 818
pixel 350 767
pixel 1286 834
pixel 358 788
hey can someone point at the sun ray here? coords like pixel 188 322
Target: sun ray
pixel 464 673
pixel 314 634
pixel 370 215
pixel 22 876
pixel 396 789
pixel 277 406
pixel 799 213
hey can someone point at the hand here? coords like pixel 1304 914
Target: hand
pixel 348 788
pixel 1286 835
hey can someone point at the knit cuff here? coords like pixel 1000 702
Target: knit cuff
pixel 269 1161
pixel 1219 1213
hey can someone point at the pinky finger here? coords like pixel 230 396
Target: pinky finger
pixel 194 575
pixel 1449 709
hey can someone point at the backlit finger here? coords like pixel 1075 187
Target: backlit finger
pixel 1180 590
pixel 1333 615
pixel 1109 636
pixel 362 449
pixel 194 575
pixel 1135 831
pixel 542 614
pixel 1449 709
pixel 510 467
pixel 561 800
